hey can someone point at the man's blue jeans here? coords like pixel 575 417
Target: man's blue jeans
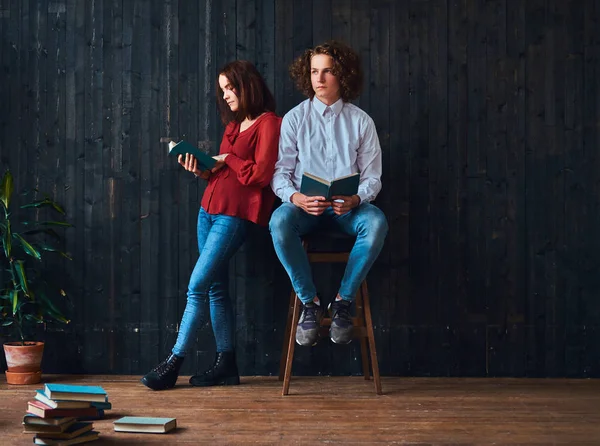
pixel 219 237
pixel 289 223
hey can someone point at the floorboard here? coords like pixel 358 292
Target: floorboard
pixel 341 410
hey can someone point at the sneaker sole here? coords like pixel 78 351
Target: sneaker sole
pixel 340 343
pixel 303 345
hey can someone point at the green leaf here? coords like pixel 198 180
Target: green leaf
pixel 34 318
pixel 43 203
pixel 48 231
pixel 50 248
pixel 6 240
pixel 15 301
pixel 7 323
pixel 47 223
pixel 51 309
pixel 20 269
pixel 28 248
pixel 6 189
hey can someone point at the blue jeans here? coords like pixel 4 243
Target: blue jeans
pixel 219 237
pixel 289 223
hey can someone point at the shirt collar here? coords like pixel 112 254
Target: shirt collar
pixel 336 107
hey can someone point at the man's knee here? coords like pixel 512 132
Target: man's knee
pixel 281 220
pixel 375 224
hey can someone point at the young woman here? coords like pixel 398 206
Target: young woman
pixel 237 195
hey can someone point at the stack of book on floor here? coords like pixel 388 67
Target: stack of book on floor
pixel 60 414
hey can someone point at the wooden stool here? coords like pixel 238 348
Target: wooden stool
pixel 363 325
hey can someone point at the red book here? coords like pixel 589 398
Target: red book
pixel 40 409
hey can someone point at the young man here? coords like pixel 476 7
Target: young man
pixel 327 136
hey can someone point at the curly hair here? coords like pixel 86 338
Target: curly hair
pixel 346 67
pixel 251 89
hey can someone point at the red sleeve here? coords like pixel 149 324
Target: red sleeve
pixel 259 171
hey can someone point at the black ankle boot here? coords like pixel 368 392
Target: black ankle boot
pixel 223 372
pixel 164 375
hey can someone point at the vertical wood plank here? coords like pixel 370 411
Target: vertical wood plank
pixel 132 329
pixel 535 150
pixel 395 350
pixel 438 142
pixel 167 106
pixel 144 93
pixel 453 280
pixel 576 209
pixel 113 166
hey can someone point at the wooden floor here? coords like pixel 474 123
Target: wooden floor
pixel 341 410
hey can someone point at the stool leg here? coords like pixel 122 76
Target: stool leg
pixel 369 321
pixel 360 320
pixel 290 348
pixel 286 335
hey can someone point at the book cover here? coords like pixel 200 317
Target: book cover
pixel 74 430
pixel 68 392
pixel 54 428
pixel 85 438
pixel 60 404
pixel 106 405
pixel 145 424
pixel 35 420
pixel 183 147
pixel 314 186
pixel 40 409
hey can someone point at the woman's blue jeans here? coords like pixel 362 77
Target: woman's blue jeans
pixel 289 223
pixel 219 237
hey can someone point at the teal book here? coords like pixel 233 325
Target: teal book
pixel 314 186
pixel 145 425
pixel 68 392
pixel 104 405
pixel 183 147
pixel 60 404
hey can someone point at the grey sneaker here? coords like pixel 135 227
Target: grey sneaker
pixel 307 331
pixel 341 322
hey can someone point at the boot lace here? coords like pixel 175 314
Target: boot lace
pixel 165 367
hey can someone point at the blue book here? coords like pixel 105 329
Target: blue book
pixel 149 425
pixel 69 392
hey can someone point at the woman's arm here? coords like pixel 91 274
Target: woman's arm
pixel 258 171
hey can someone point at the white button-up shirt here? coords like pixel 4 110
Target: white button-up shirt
pixel 330 142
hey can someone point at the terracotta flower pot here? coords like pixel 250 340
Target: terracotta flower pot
pixel 24 362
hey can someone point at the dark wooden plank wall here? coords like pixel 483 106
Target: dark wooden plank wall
pixel 488 114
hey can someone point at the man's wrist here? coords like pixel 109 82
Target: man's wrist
pixel 292 198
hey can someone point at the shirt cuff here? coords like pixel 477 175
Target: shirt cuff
pixel 287 194
pixel 364 198
pixel 234 162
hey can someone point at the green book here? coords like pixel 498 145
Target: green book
pixel 182 147
pixel 314 186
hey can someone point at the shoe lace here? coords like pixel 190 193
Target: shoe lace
pixel 341 311
pixel 309 313
pixel 211 370
pixel 164 367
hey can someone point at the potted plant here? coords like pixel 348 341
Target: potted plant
pixel 26 299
